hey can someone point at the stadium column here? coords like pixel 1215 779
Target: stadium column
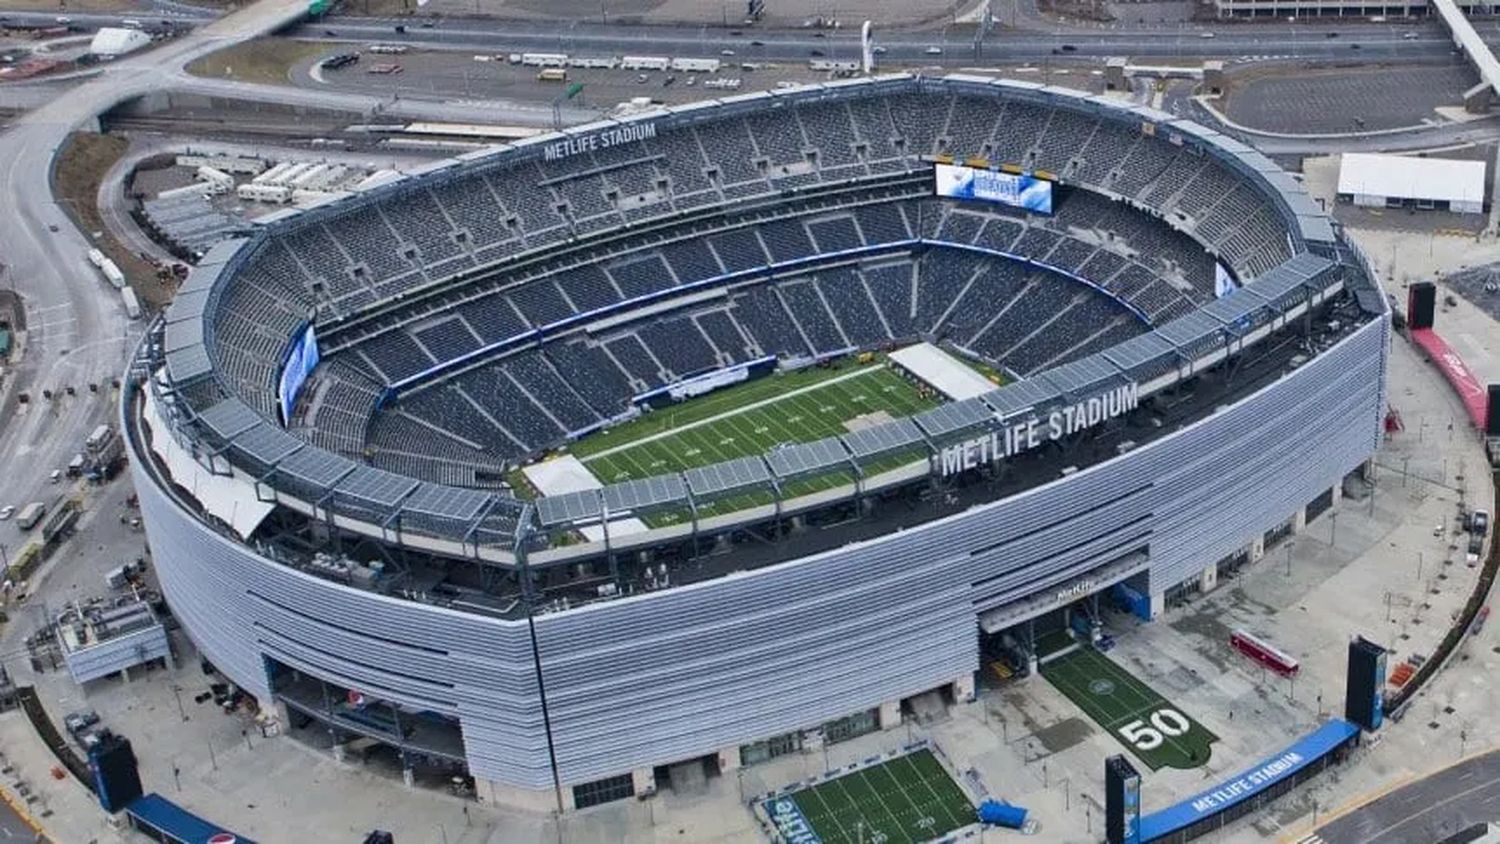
pixel 1299 520
pixel 644 779
pixel 963 688
pixel 276 709
pixel 1158 603
pixel 729 759
pixel 1337 493
pixel 1257 549
pixel 1208 578
pixel 890 714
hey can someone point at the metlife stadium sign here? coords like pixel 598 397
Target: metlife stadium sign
pixel 1026 192
pixel 1025 435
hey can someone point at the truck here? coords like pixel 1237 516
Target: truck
pixel 132 304
pixel 31 514
pixel 552 74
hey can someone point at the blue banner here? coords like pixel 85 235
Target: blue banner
pixel 1026 192
pixel 301 359
pixel 1249 783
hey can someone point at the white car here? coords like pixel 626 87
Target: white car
pixel 934 51
pixel 7 511
pixel 1205 35
pixel 1409 36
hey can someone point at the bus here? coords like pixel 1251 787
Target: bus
pixel 1264 653
pixel 31 514
pixel 552 74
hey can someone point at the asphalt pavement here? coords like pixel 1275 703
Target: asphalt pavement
pixel 1424 811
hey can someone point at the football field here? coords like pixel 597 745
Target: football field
pixel 905 800
pixel 1154 730
pixel 749 419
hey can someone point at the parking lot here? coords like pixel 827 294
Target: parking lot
pixel 1347 100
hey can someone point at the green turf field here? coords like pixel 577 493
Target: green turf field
pixel 749 419
pixel 1154 730
pixel 903 801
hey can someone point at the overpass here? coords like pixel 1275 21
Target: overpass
pixel 1478 98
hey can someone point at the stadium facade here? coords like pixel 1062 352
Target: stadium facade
pixel 1166 417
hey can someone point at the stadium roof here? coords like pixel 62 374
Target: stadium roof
pixel 1407 177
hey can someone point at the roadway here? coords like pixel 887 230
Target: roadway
pixel 1424 811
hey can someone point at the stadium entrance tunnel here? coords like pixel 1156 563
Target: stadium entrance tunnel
pixel 422 748
pixel 1020 649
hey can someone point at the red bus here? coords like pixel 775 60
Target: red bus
pixel 1264 653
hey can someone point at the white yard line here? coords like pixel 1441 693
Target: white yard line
pixel 728 413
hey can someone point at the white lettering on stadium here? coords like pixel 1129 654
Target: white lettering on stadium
pixel 1251 782
pixel 603 139
pixel 1028 434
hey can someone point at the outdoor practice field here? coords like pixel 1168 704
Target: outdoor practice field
pixel 1154 730
pixel 748 419
pixel 906 800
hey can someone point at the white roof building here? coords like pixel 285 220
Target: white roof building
pixel 1396 180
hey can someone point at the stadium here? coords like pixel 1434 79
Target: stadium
pixel 681 438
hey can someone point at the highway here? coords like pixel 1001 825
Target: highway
pixel 1424 811
pixel 1363 43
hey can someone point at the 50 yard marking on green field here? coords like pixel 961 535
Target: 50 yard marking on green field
pixel 1154 730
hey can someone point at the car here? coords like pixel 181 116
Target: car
pixel 668 81
pixel 77 722
pixel 1479 522
pixel 1205 35
pixel 428 24
pixel 56 476
pixel 328 33
pixel 757 43
pixel 1069 48
pixel 1354 46
pixel 736 33
pixel 1409 36
pixel 934 51
pixel 726 52
pixel 820 35
pixel 7 511
pixel 878 50
pixel 400 28
pixel 817 54
pixel 1331 35
pixel 641 78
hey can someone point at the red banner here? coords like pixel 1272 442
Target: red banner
pixel 1470 391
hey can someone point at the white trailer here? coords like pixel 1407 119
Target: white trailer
pixel 227 163
pixel 113 275
pixel 195 189
pixel 307 177
pixel 391 49
pixel 293 173
pixel 331 176
pixel 645 62
pixel 606 63
pixel 696 65
pixel 132 305
pixel 280 194
pixel 272 175
pixel 544 59
pixel 217 180
pixel 96 258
